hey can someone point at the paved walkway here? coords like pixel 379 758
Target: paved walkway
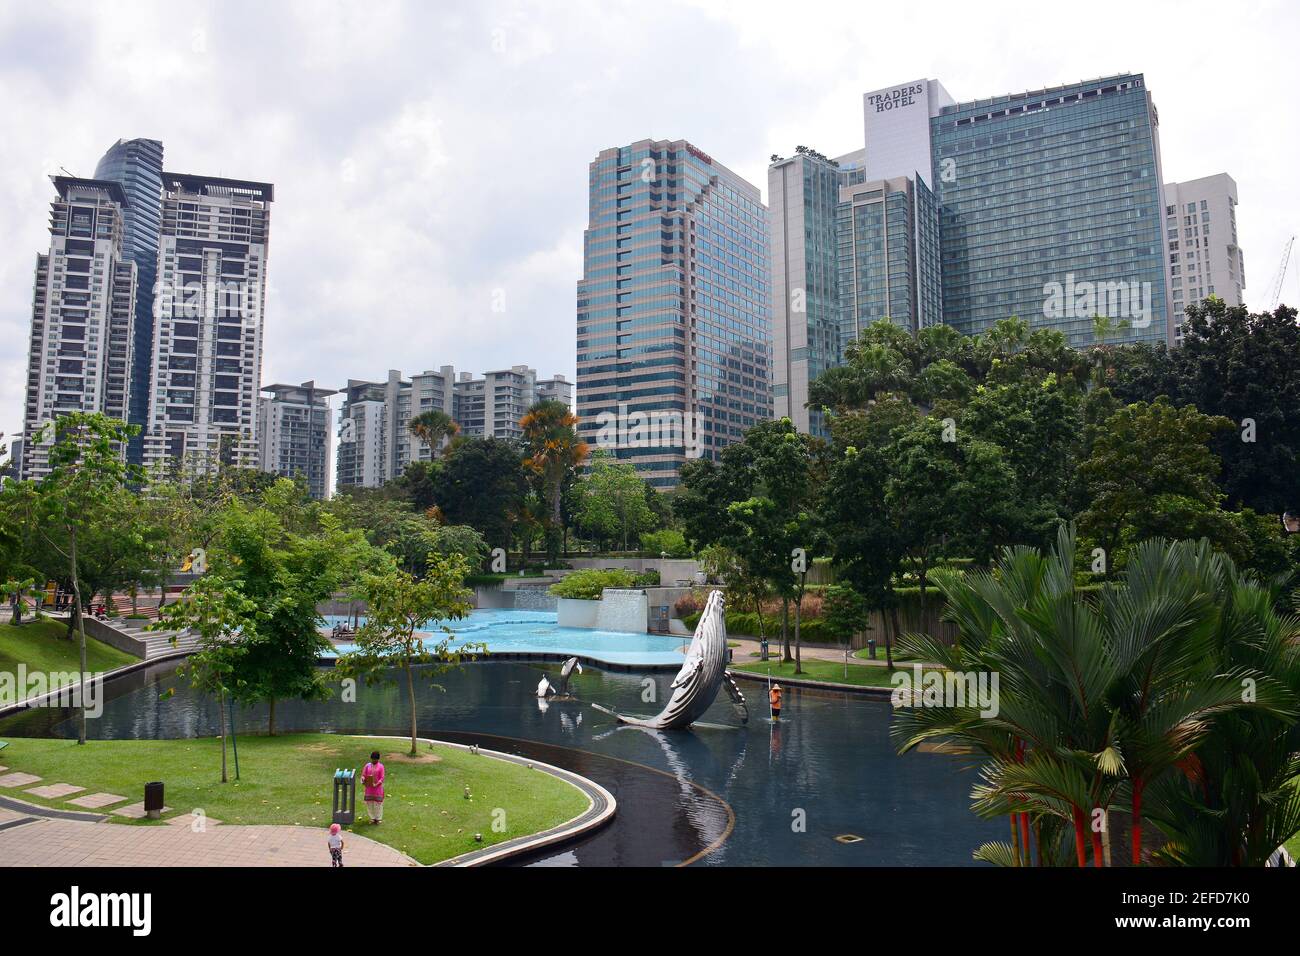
pixel 47 842
pixel 749 646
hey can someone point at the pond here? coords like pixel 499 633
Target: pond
pixel 723 794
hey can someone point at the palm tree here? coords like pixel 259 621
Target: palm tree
pixel 432 427
pixel 1103 700
pixel 554 450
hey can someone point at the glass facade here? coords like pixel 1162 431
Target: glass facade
pixel 888 242
pixel 1051 210
pixel 137 165
pixel 673 310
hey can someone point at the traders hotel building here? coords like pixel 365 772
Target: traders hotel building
pixel 967 213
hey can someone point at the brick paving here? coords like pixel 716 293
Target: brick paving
pixel 50 842
pixel 53 791
pixel 93 801
pixel 18 779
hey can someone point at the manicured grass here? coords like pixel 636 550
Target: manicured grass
pixel 864 654
pixel 830 671
pixel 288 780
pixel 42 647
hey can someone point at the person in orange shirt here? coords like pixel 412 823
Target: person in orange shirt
pixel 774 698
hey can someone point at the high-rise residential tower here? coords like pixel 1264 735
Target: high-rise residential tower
pixel 1201 230
pixel 137 165
pixel 374 435
pixel 79 355
pixel 207 347
pixel 293 433
pixel 673 309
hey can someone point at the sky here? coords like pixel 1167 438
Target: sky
pixel 430 158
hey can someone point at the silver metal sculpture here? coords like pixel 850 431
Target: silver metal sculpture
pixel 546 689
pixel 703 673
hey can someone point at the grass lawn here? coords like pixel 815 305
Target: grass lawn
pixel 864 654
pixel 288 780
pixel 831 671
pixel 41 646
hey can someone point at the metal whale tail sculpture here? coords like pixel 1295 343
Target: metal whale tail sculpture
pixel 703 673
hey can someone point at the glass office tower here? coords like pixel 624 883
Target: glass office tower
pixel 673 309
pixel 888 241
pixel 1051 210
pixel 136 164
pixel 804 195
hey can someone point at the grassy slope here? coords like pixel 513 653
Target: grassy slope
pixel 41 646
pixel 288 780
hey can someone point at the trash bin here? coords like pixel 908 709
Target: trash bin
pixel 153 800
pixel 871 648
pixel 345 798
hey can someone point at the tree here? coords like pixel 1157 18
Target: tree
pixel 74 500
pixel 482 484
pixel 216 611
pixel 1151 472
pixel 554 451
pixel 397 607
pixel 611 501
pixel 1101 701
pixel 432 427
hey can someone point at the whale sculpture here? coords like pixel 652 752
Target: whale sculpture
pixel 703 672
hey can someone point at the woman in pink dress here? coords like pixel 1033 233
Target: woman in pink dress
pixel 373 777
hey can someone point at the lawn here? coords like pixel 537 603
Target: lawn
pixel 42 647
pixel 861 675
pixel 288 780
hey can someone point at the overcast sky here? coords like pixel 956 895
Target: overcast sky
pixel 428 154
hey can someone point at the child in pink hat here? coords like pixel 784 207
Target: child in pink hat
pixel 336 845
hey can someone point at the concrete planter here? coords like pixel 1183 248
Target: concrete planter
pixel 571 612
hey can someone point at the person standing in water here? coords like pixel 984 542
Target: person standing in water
pixel 774 698
pixel 373 777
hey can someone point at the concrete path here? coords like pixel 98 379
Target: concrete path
pixel 48 842
pixel 749 646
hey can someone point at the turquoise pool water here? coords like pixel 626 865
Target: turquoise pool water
pixel 509 631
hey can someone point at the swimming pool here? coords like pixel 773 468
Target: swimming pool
pixel 537 632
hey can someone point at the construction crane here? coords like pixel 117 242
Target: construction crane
pixel 1275 293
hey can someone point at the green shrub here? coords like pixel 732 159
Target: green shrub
pixel 646 579
pixel 587 584
pixel 745 624
pixel 668 541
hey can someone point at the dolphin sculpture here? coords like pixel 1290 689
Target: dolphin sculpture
pixel 703 673
pixel 546 689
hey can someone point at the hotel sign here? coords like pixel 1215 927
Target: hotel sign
pixel 896 98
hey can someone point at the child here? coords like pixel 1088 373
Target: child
pixel 335 841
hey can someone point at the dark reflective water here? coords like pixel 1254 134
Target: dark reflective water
pixel 826 769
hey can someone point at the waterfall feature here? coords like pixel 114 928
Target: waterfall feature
pixel 535 599
pixel 623 610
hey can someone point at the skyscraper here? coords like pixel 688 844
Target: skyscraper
pixel 207 348
pixel 1201 231
pixel 82 311
pixel 1050 192
pixel 137 165
pixel 673 309
pixel 1044 205
pixel 293 433
pixel 803 193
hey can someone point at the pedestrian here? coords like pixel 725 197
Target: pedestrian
pixel 774 698
pixel 373 777
pixel 335 841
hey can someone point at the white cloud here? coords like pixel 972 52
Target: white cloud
pixel 428 154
